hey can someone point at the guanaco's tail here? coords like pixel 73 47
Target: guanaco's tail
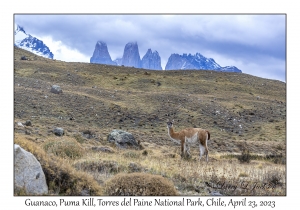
pixel 208 135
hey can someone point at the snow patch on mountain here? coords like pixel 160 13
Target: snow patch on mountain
pixel 197 61
pixel 31 43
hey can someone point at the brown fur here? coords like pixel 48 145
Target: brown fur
pixel 203 136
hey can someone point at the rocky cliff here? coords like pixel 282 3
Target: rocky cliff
pixel 101 54
pixel 196 61
pixel 151 60
pixel 131 55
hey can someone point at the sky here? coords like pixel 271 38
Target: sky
pixel 256 44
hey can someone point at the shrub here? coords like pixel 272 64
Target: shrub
pixel 99 166
pixel 145 152
pixel 64 147
pixel 245 157
pixel 131 154
pixel 277 159
pixel 273 177
pixel 139 184
pixel 243 174
pixel 135 167
pixel 79 138
pixel 61 177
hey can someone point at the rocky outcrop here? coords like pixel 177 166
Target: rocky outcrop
pixel 122 139
pixel 131 55
pixel 151 60
pixel 197 61
pixel 29 175
pixel 101 54
pixel 28 123
pixel 56 89
pixel 58 131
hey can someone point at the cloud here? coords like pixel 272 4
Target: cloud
pixel 63 52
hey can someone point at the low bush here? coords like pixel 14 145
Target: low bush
pixel 245 157
pixel 100 166
pixel 139 184
pixel 131 154
pixel 64 147
pixel 273 177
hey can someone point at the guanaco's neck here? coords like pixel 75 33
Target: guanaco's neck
pixel 172 133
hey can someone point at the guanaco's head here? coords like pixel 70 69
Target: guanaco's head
pixel 170 123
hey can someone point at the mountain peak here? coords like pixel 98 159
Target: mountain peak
pixel 196 61
pixel 132 43
pixel 101 54
pixel 151 60
pixel 131 55
pixel 19 28
pixel 101 43
pixel 230 69
pixel 31 43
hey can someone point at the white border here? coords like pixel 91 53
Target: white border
pixel 9 8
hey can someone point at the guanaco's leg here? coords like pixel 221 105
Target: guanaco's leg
pixel 182 149
pixel 206 154
pixel 202 150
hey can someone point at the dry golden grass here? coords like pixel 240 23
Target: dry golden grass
pixel 64 147
pixel 189 176
pixel 139 184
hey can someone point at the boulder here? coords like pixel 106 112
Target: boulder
pixel 122 139
pixel 29 175
pixel 24 58
pixel 20 124
pixel 28 123
pixel 58 131
pixel 56 89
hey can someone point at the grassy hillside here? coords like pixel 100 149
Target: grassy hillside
pixel 239 110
